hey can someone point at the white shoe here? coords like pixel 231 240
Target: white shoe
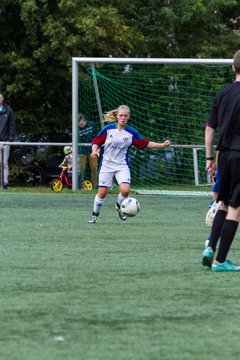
pixel 93 219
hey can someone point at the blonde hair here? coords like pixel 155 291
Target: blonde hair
pixel 111 116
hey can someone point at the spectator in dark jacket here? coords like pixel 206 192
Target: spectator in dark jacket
pixel 7 133
pixel 86 132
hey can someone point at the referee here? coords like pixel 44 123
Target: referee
pixel 225 115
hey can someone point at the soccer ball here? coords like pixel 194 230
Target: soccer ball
pixel 212 212
pixel 130 206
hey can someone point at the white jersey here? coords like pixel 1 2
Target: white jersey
pixel 116 145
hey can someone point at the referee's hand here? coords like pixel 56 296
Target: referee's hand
pixel 211 166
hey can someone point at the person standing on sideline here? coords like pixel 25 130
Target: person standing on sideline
pixel 117 138
pixel 7 133
pixel 86 132
pixel 225 115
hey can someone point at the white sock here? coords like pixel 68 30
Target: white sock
pixel 98 203
pixel 121 198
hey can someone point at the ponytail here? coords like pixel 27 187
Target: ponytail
pixel 111 116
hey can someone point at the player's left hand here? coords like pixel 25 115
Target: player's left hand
pixel 95 154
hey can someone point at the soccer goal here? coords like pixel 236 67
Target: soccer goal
pixel 168 98
pixel 199 162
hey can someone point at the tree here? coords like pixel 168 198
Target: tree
pixel 186 28
pixel 39 38
pixel 36 59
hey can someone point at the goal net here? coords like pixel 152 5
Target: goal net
pixel 167 101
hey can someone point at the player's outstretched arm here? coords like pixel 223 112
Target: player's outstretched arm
pixel 155 145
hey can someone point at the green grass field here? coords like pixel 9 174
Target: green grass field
pixel 131 290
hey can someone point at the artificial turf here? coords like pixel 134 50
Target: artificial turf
pixel 131 290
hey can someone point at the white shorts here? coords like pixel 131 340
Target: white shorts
pixel 106 177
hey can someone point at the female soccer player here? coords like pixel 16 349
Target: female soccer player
pixel 117 137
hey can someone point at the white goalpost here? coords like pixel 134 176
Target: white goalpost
pixel 76 61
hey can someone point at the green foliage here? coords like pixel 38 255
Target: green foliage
pixel 183 28
pixel 39 38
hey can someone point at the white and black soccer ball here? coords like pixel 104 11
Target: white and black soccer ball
pixel 130 206
pixel 212 212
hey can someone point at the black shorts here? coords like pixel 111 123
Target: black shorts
pixel 229 178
